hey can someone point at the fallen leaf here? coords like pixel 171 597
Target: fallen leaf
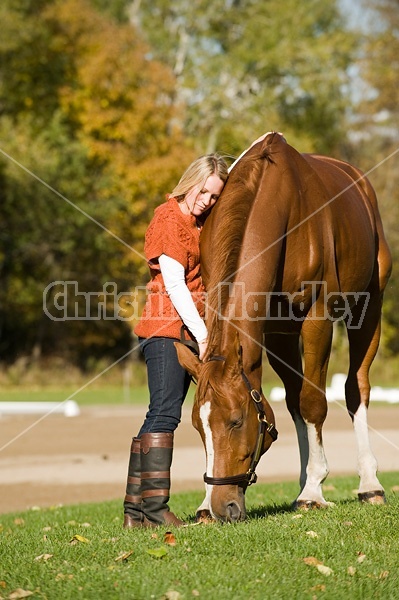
pixel 312 561
pixel 312 534
pixel 348 523
pixel 154 536
pixel 324 570
pixel 351 570
pixel 3 584
pixel 169 539
pixel 158 552
pixel 172 595
pixel 19 521
pixel 79 538
pixel 383 574
pixel 43 557
pixel 124 556
pixel 360 557
pixel 195 593
pixel 46 528
pixel 20 593
pixel 297 517
pixel 85 525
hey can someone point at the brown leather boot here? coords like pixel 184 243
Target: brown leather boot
pixel 134 516
pixel 156 460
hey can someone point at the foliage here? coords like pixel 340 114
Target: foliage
pixel 83 552
pixel 244 67
pixel 374 133
pixel 88 150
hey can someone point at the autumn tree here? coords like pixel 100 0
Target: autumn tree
pixel 375 132
pixel 89 148
pixel 248 66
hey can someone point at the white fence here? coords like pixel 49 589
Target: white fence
pixel 68 408
pixel 337 392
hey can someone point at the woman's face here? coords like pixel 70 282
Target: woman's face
pixel 200 199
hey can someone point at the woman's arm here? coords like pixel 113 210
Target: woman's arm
pixel 175 284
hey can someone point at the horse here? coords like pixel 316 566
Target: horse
pixel 294 243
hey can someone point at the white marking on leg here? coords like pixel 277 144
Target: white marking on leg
pixel 317 469
pixel 205 412
pixel 367 463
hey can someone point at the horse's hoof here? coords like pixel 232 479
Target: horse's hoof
pixel 204 516
pixel 306 505
pixel 376 497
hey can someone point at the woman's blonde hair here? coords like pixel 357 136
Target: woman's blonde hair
pixel 198 172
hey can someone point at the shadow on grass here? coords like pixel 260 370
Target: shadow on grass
pixel 260 512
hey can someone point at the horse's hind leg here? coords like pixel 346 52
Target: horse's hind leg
pixel 364 329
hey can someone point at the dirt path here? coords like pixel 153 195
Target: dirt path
pixel 60 460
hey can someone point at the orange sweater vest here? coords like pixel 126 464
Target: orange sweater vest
pixel 176 235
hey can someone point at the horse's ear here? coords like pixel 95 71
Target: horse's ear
pixel 272 138
pixel 188 359
pixel 234 356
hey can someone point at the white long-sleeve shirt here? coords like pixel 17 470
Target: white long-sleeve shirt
pixel 175 285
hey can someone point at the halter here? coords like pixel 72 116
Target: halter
pixel 250 477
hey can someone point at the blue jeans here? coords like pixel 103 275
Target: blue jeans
pixel 168 384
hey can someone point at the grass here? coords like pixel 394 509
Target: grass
pixel 82 551
pixel 109 394
pixel 55 380
pixel 106 394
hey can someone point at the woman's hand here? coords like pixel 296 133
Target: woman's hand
pixel 203 345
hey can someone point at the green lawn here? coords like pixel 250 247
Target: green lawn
pixel 348 551
pixel 87 396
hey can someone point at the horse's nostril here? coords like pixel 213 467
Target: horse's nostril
pixel 233 512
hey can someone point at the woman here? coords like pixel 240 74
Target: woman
pixel 175 300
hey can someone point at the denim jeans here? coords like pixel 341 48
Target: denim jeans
pixel 168 384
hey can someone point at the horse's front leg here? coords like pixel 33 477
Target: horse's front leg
pixel 311 495
pixel 316 335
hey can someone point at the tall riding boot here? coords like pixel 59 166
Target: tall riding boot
pixel 156 460
pixel 132 505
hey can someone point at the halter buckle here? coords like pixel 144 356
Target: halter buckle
pixel 252 477
pixel 255 395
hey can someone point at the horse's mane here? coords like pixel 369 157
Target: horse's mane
pixel 233 209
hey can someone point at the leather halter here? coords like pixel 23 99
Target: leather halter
pixel 250 477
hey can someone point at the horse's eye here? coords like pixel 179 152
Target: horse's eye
pixel 236 423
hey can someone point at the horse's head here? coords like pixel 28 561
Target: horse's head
pixel 236 424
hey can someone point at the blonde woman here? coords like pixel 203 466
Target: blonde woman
pixel 175 299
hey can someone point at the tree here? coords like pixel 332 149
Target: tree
pixel 375 133
pixel 244 67
pixel 88 145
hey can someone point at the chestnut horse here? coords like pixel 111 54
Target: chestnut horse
pixel 294 243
